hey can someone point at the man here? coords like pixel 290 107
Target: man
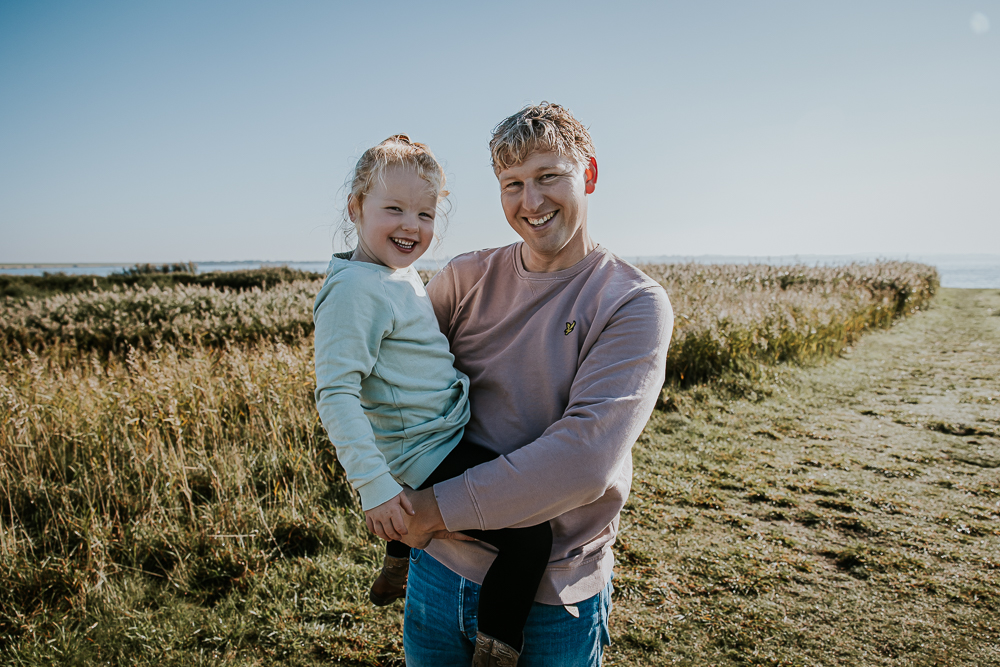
pixel 565 348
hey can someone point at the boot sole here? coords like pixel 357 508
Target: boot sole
pixel 386 600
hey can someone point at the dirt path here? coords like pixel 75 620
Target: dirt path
pixel 851 518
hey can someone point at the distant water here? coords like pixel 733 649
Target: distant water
pixel 969 271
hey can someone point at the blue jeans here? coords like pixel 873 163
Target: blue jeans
pixel 440 625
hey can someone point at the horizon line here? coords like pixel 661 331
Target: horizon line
pixel 284 262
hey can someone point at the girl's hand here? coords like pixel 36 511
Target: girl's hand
pixel 388 519
pixel 427 524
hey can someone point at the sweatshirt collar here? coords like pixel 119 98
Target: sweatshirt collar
pixel 592 258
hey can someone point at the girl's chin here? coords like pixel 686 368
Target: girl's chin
pixel 401 259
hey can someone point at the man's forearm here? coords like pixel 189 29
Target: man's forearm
pixel 581 455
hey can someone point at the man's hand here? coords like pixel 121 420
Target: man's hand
pixel 388 519
pixel 425 523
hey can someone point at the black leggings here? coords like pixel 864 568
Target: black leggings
pixel 512 580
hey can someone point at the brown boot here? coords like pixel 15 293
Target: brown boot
pixel 492 652
pixel 391 582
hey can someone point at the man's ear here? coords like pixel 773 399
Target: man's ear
pixel 590 176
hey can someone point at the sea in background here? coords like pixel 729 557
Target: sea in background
pixel 968 271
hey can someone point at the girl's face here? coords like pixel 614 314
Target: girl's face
pixel 396 221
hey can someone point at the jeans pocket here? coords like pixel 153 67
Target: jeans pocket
pixel 606 614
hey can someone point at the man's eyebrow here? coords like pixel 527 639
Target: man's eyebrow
pixel 539 169
pixel 555 166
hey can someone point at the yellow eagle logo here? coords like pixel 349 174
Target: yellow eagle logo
pixel 569 327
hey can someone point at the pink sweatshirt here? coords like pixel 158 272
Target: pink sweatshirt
pixel 564 371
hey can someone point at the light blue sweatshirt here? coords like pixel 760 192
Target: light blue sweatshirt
pixel 386 386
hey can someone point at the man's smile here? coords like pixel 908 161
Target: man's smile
pixel 544 199
pixel 538 222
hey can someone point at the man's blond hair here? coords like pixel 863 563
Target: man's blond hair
pixel 539 127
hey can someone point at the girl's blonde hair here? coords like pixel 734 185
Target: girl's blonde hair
pixel 396 151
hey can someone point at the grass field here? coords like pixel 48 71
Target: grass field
pixel 852 517
pixel 168 496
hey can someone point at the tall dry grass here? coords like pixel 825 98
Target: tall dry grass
pixel 119 319
pixel 169 436
pixel 195 466
pixel 165 277
pixel 728 317
pixel 736 318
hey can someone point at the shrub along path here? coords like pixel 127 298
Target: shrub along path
pixel 850 517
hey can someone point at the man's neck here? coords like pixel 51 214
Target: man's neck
pixel 535 262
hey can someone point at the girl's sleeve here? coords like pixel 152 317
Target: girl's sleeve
pixel 352 315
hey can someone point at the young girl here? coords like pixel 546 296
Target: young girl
pixel 389 395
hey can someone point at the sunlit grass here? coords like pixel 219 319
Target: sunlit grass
pixel 735 318
pixel 160 454
pixel 118 319
pixel 728 317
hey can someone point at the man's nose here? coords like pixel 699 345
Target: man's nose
pixel 533 198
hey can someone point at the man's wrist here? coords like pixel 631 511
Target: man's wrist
pixel 428 514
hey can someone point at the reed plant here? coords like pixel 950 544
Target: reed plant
pixel 164 441
pixel 740 319
pixel 197 467
pixel 144 275
pixel 117 320
pixel 729 318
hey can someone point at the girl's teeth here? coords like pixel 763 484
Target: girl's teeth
pixel 541 221
pixel 405 244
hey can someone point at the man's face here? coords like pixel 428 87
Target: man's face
pixel 545 200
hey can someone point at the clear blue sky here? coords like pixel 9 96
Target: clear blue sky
pixel 165 131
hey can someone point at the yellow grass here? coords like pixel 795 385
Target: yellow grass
pixel 165 441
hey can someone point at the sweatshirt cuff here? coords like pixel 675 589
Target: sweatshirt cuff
pixel 458 506
pixel 381 489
